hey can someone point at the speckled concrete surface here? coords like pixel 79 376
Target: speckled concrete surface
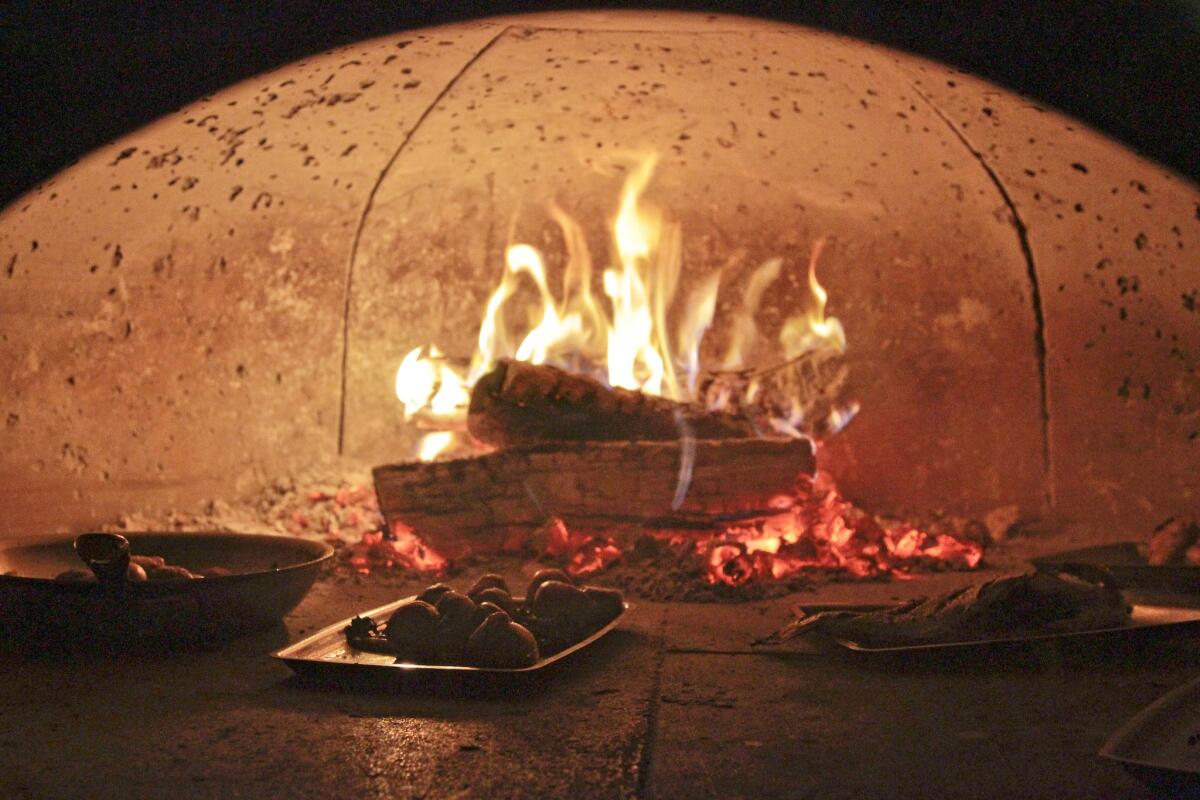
pixel 231 722
pixel 1020 293
pixel 672 704
pixel 838 727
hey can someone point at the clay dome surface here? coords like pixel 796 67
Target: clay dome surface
pixel 226 293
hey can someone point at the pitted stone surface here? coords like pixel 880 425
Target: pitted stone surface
pixel 226 293
pixel 171 308
pixel 1115 240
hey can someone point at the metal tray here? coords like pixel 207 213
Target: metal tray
pixel 1127 564
pixel 1160 745
pixel 327 653
pixel 1142 618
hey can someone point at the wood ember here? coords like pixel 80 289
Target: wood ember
pixel 337 508
pixel 521 403
pixel 477 504
pixel 659 569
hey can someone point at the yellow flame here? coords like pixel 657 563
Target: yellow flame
pixel 428 385
pixel 630 348
pixel 415 381
pixel 627 340
pixel 744 334
pixel 434 444
pixel 637 357
pixel 813 330
pixel 430 388
pixel 697 317
pixel 553 327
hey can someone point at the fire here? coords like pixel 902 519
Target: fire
pixel 627 341
pixel 349 518
pixel 825 531
pixel 402 549
pixel 625 338
pixel 821 531
pixel 581 554
pixel 427 384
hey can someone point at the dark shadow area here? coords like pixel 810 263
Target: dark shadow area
pixel 76 75
pixel 88 641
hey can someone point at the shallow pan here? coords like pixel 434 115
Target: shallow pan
pixel 327 655
pixel 1160 745
pixel 1127 564
pixel 1142 618
pixel 271 574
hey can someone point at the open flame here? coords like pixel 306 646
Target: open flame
pixel 627 341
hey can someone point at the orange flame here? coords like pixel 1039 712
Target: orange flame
pixel 626 341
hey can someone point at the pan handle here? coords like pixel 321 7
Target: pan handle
pixel 106 554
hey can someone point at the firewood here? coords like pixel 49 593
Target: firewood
pixel 615 488
pixel 521 403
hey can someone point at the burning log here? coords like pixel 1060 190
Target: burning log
pixel 520 403
pixel 480 503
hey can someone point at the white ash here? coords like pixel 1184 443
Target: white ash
pixel 332 502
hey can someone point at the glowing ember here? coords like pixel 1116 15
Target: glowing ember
pixel 825 531
pixel 402 549
pixel 349 518
pixel 581 555
pixel 337 515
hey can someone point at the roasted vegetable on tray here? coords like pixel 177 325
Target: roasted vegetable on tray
pixel 487 626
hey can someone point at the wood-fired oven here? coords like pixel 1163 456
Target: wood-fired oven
pixel 226 296
pixel 227 292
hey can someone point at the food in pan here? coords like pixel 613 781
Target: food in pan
pixel 411 630
pixel 487 626
pixel 145 568
pixel 1077 599
pixel 1176 542
pixel 500 642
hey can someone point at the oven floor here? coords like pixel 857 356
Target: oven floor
pixel 672 704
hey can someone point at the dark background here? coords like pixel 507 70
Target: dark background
pixel 76 75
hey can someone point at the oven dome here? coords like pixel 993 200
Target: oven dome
pixel 225 294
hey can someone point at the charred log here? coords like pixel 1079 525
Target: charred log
pixel 520 403
pixel 477 504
